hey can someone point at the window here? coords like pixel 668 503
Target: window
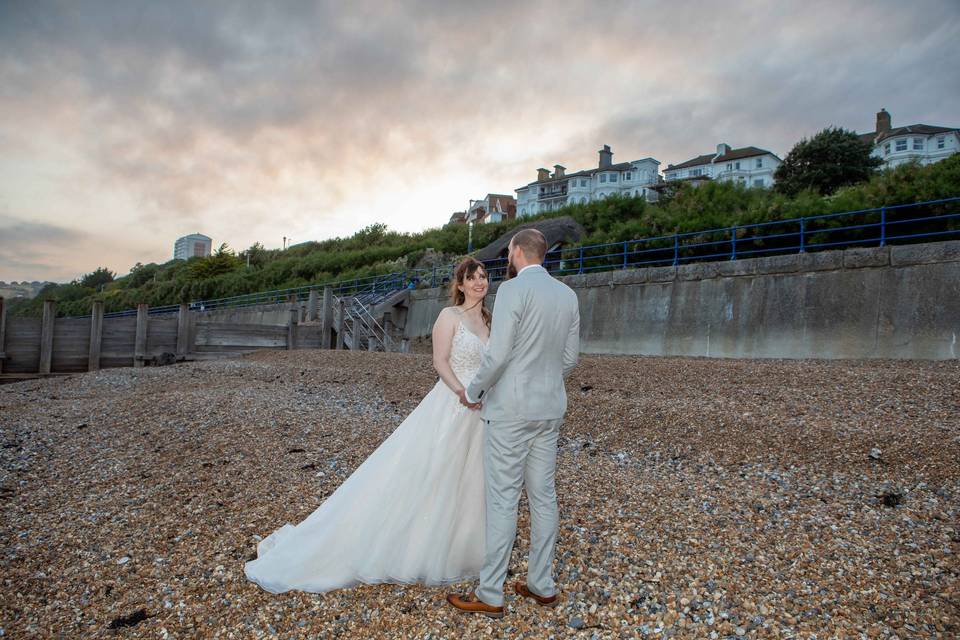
pixel 758 182
pixel 729 166
pixel 902 144
pixel 541 190
pixel 941 142
pixel 695 172
pixel 736 165
pixel 603 177
pixel 759 163
pixel 613 177
pixel 886 148
pixel 918 144
pixel 583 182
pixel 628 175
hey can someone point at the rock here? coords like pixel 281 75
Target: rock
pixel 875 453
pixel 576 623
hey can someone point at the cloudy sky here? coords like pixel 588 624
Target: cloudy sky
pixel 124 125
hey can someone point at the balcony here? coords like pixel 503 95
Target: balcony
pixel 552 194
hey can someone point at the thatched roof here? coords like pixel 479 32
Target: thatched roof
pixel 558 231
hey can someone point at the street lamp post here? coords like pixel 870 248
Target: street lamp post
pixel 469 228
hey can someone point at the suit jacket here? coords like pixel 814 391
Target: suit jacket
pixel 534 344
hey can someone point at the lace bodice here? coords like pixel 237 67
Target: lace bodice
pixel 465 353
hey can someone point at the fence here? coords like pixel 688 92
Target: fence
pixel 930 220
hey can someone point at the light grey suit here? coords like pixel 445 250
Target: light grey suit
pixel 534 344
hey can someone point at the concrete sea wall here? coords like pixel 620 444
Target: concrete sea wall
pixel 883 302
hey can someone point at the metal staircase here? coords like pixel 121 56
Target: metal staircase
pixel 361 330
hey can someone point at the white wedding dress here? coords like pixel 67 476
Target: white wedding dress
pixel 412 512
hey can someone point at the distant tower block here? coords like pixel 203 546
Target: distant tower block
pixel 193 245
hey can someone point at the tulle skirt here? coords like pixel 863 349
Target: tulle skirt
pixel 412 512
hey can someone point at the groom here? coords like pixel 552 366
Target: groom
pixel 534 344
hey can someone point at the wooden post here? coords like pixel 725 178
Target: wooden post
pixel 340 323
pixel 183 329
pixel 96 335
pixel 326 319
pixel 3 331
pixel 46 335
pixel 312 304
pixel 140 343
pixel 405 346
pixel 292 327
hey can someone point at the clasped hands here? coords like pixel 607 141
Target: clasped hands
pixel 462 394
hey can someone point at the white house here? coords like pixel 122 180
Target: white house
pixel 921 142
pixel 559 189
pixel 195 244
pixel 749 166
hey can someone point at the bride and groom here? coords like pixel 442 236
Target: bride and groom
pixel 436 502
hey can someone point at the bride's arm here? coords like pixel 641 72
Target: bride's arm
pixel 443 330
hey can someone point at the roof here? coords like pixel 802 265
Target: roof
pixel 562 230
pixel 733 154
pixel 745 152
pixel 915 129
pixel 705 159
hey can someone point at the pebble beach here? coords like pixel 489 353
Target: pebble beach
pixel 699 498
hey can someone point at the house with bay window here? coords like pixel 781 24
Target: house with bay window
pixel 923 143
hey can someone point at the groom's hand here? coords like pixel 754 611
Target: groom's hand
pixel 463 400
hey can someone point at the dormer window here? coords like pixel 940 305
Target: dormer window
pixel 603 177
pixel 613 177
pixel 902 144
pixel 918 144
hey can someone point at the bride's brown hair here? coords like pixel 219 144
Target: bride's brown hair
pixel 464 269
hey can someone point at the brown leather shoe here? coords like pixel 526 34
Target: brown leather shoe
pixel 521 590
pixel 470 603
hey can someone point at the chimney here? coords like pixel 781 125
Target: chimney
pixel 606 157
pixel 722 149
pixel 558 171
pixel 543 174
pixel 883 121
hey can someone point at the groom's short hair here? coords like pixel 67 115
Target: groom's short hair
pixel 532 243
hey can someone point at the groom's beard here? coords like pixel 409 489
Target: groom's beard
pixel 511 270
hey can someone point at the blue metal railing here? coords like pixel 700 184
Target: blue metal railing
pixel 879 226
pixel 937 219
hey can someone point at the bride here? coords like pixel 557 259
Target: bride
pixel 412 512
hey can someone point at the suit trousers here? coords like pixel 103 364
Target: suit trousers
pixel 519 453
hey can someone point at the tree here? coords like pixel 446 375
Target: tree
pixel 833 158
pixel 223 261
pixel 96 279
